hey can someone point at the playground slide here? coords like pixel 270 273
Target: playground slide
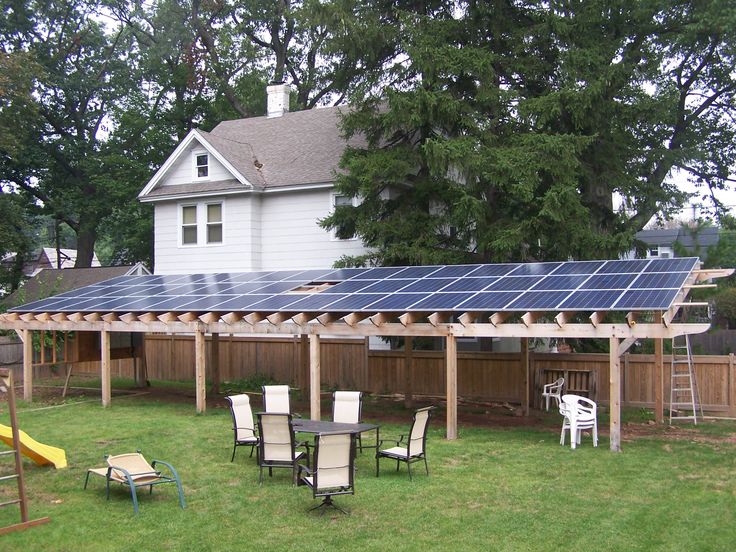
pixel 38 452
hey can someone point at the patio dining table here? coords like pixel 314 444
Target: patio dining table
pixel 321 426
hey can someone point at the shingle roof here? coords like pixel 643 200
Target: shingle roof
pixel 303 147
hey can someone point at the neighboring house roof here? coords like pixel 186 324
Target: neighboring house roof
pixel 302 148
pixel 52 281
pixel 702 238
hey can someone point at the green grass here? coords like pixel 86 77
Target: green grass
pixel 492 489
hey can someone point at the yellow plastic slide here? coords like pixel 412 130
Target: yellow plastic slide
pixel 38 452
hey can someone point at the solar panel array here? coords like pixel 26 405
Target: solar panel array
pixel 626 285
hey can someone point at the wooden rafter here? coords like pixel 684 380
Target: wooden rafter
pixel 529 318
pixel 93 317
pixel 210 317
pixel 498 318
pixel 232 317
pixel 110 317
pixel 468 318
pixel 438 318
pixel 354 318
pixel 278 317
pixel 409 318
pixel 168 317
pixel 328 318
pixel 254 318
pixel 563 318
pixel 597 318
pixel 303 318
pixel 631 318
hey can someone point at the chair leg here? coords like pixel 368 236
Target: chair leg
pixel 546 400
pixel 426 466
pixel 377 462
pixel 134 496
pixel 232 458
pixel 86 479
pixel 573 435
pixel 562 435
pixel 595 434
pixel 408 467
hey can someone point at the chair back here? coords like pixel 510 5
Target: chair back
pixel 556 387
pixel 334 456
pixel 418 432
pixel 242 416
pixel 276 398
pixel 346 407
pixel 581 407
pixel 134 463
pixel 277 437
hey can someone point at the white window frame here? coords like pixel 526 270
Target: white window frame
pixel 653 251
pixel 202 223
pixel 333 199
pixel 195 166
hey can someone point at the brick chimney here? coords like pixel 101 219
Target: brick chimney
pixel 278 99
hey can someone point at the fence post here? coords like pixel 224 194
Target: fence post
pixel 731 386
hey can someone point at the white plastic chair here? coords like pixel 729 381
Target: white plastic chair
pixel 276 399
pixel 578 413
pixel 553 390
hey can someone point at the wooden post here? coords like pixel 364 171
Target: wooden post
pixel 615 398
pixel 27 365
pixel 731 385
pixel 659 380
pixel 105 367
pixel 314 377
pixel 451 387
pixel 215 362
pixel 408 379
pixel 302 379
pixel 199 370
pixel 525 366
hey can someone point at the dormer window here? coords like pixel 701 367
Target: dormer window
pixel 201 165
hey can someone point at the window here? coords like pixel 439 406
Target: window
pixel 653 251
pixel 214 223
pixel 189 225
pixel 201 165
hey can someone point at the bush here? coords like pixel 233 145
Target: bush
pixel 725 308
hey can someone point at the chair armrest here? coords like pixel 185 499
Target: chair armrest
pixel 169 466
pixel 397 441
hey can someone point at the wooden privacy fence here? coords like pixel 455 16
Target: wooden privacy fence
pixel 349 364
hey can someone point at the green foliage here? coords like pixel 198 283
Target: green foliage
pixel 725 307
pixel 505 129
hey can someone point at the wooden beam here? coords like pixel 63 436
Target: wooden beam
pixel 529 318
pixel 44 317
pixel 711 273
pixel 381 318
pixel 128 317
pixel 659 381
pixel 210 317
pixel 59 317
pixel 438 318
pixel 354 318
pixel 232 317
pixel 314 377
pixel 302 318
pixel 615 395
pixel 105 368
pixel 597 318
pixel 526 369
pixel 200 370
pixel 93 317
pixel 563 318
pixel 631 318
pixel 27 316
pixel 408 379
pixel 625 345
pixel 76 317
pixel 27 366
pixel 700 286
pixel 277 318
pixel 188 317
pixel 468 318
pixel 409 318
pixel 254 318
pixel 215 362
pixel 168 317
pixel 328 318
pixel 110 317
pixel 451 386
pixel 498 318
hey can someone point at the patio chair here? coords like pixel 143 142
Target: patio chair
pixel 553 391
pixel 578 413
pixel 244 432
pixel 347 409
pixel 277 445
pixel 334 468
pixel 133 470
pixel 414 448
pixel 276 399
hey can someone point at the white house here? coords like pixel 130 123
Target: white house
pixel 248 195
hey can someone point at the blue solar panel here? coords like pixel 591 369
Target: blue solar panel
pixel 469 284
pixel 591 300
pixel 387 286
pixel 654 280
pixel 275 303
pixel 340 274
pixel 514 283
pixel 535 269
pixel 623 267
pixel 316 301
pixel 414 272
pixel 609 281
pixel 441 301
pixel 484 271
pixel 579 267
pixel 539 300
pixel 240 303
pixel 488 300
pixel 561 282
pixel 645 299
pixel 379 273
pixel 428 285
pixel 396 301
pixel 454 271
pixel 354 302
pixel 352 285
pixel 685 264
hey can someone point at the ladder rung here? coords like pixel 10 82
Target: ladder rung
pixel 4 452
pixel 10 502
pixel 7 477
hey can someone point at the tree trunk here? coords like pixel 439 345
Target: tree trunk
pixel 86 238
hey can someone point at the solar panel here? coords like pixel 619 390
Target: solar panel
pixel 632 284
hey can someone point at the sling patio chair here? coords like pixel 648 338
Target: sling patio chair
pixel 334 468
pixel 414 447
pixel 347 409
pixel 276 399
pixel 133 470
pixel 277 444
pixel 244 431
pixel 578 413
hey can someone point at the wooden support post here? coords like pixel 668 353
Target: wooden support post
pixel 408 379
pixel 27 365
pixel 451 387
pixel 303 374
pixel 215 362
pixel 314 376
pixel 199 370
pixel 732 385
pixel 105 367
pixel 659 380
pixel 615 392
pixel 525 366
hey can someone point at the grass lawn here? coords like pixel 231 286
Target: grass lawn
pixel 495 488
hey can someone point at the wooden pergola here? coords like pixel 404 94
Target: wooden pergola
pixel 657 325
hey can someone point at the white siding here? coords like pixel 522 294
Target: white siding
pixel 235 254
pixel 291 237
pixel 182 171
pixel 276 231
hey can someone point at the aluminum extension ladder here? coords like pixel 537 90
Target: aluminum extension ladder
pixel 684 392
